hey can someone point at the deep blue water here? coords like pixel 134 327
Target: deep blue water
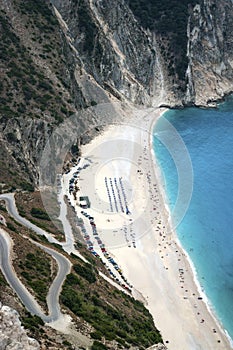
pixel 206 231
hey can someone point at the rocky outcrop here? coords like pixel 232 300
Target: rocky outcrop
pixel 135 63
pixel 12 335
pixel 114 49
pixel 157 347
pixel 24 140
pixel 73 55
pixel 210 52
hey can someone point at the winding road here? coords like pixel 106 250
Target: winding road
pixel 10 275
pixel 64 266
pixel 12 210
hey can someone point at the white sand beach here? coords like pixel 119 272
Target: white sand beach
pixel 131 226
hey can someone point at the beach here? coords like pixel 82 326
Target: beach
pixel 125 222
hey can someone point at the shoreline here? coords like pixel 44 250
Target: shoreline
pixel 159 267
pixel 200 290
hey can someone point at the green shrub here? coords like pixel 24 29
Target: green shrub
pixel 39 214
pixel 2 280
pixel 86 271
pixel 11 227
pixel 26 186
pixel 71 299
pixel 58 246
pixel 98 346
pixel 2 208
pixel 39 287
pixel 72 279
pixel 66 343
pixel 32 322
pixel 26 275
pixel 96 335
pixel 21 211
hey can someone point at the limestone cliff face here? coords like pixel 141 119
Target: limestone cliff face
pixel 210 52
pixel 113 48
pixel 12 335
pixel 61 56
pixel 127 59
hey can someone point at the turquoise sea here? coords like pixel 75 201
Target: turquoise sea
pixel 206 231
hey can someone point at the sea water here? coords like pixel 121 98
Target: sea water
pixel 206 230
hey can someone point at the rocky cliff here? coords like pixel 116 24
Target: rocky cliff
pixel 61 57
pixel 83 58
pixel 153 54
pixel 210 52
pixel 12 335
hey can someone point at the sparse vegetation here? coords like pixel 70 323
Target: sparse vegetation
pixel 30 205
pixel 86 271
pixel 168 18
pixel 98 346
pixel 2 280
pixel 32 322
pixel 27 91
pixel 11 226
pixel 87 26
pixel 39 214
pixel 25 86
pixel 2 208
pixel 26 186
pixel 114 316
pixel 36 270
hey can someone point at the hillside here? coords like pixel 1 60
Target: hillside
pixel 60 57
pixel 65 66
